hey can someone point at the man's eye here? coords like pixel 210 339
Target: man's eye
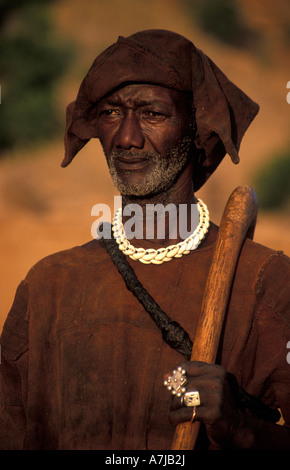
pixel 109 112
pixel 153 115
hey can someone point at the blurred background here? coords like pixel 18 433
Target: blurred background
pixel 46 48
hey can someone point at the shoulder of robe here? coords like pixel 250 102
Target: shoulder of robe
pixel 76 257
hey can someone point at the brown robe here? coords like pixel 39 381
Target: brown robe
pixel 83 363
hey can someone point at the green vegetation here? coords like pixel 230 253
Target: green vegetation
pixel 223 19
pixel 272 183
pixel 32 60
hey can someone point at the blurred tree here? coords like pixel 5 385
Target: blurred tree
pixel 272 183
pixel 222 19
pixel 32 60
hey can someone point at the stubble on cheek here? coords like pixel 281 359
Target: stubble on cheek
pixel 161 174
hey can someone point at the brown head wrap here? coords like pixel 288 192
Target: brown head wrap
pixel 222 111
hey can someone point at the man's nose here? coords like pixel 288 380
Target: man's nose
pixel 129 133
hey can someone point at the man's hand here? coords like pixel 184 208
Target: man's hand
pixel 218 409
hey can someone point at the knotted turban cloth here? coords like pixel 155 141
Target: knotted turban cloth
pixel 223 112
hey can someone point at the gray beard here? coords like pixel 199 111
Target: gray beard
pixel 164 170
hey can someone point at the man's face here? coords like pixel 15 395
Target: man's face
pixel 145 134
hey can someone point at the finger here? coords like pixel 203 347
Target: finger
pixel 190 398
pixel 185 414
pixel 198 368
pixel 176 403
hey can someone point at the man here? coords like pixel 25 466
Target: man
pixel 94 330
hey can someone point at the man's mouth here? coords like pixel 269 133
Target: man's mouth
pixel 131 163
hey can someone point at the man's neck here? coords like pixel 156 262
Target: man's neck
pixel 164 219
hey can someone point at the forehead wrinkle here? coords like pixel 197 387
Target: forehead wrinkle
pixel 148 93
pixel 136 101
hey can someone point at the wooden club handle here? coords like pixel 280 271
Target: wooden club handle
pixel 238 222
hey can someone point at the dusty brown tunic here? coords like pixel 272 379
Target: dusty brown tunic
pixel 83 363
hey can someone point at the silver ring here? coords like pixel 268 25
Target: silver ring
pixel 175 382
pixel 191 398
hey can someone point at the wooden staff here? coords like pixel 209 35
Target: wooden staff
pixel 238 222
